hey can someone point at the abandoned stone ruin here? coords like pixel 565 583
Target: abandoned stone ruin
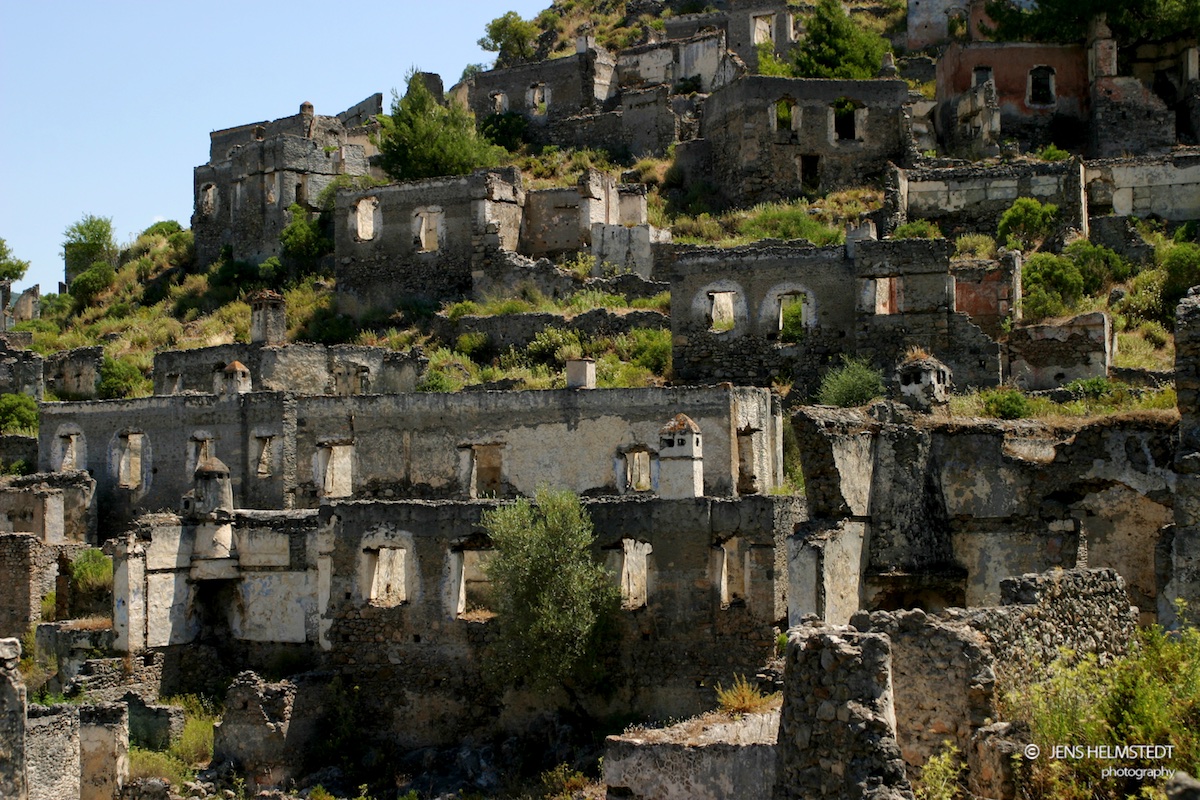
pixel 301 529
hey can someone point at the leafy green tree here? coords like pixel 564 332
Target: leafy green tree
pixel 1067 20
pixel 302 241
pixel 1026 223
pixel 11 269
pixel 835 46
pixel 88 284
pixel 86 242
pixel 512 39
pixel 1051 286
pixel 423 139
pixel 854 383
pixel 18 413
pixel 121 378
pixel 555 606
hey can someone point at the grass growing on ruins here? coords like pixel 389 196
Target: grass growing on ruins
pixel 975 245
pixel 743 697
pixel 941 775
pixel 918 229
pixel 91 573
pixel 1095 397
pixel 1149 697
pixel 195 746
pixel 145 763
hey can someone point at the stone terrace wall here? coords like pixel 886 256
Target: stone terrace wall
pixel 837 733
pixel 970 199
pixel 518 330
pixel 1185 548
pixel 12 722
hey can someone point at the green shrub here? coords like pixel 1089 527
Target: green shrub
pixel 151 764
pixel 121 378
pixel 1145 301
pixel 1181 263
pixel 554 604
pixel 918 229
pixel 787 221
pixel 743 697
pixel 1052 153
pixel 940 777
pixel 1051 285
pixel 660 302
pixel 91 282
pixel 18 414
pixel 435 380
pixel 1005 403
pixel 549 345
pixel 1155 334
pixel 855 383
pixel 194 746
pixel 462 309
pixel 165 227
pixel 20 467
pixel 471 343
pixel 1187 232
pixel 1091 388
pixel 1026 223
pixel 650 348
pixel 302 241
pixel 1099 267
pixel 507 129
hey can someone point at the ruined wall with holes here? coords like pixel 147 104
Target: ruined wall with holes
pixel 1042 89
pixel 1038 616
pixel 559 221
pixel 257 171
pixel 20 371
pixel 74 374
pixel 393 596
pixel 1048 356
pixel 728 309
pixel 1164 186
pixel 421 238
pixel 943 510
pixel 518 330
pixel 546 91
pixel 701 62
pixel 306 368
pixel 988 291
pixel 771 138
pixel 285 451
pixel 971 199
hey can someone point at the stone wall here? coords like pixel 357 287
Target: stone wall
pixel 988 291
pixel 504 271
pixel 837 733
pixel 544 91
pixel 902 295
pixel 771 138
pixel 421 238
pixel 20 371
pixel 1040 616
pixel 702 58
pixel 256 172
pixel 26 563
pixel 1185 545
pixel 12 722
pixel 74 374
pixel 17 447
pixel 1164 186
pixel 726 759
pixel 969 123
pixel 970 199
pixel 518 330
pixel 302 368
pixel 1048 356
pixel 52 752
pixel 103 751
pixel 929 514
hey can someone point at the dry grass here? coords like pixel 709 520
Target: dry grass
pixel 744 698
pixel 97 623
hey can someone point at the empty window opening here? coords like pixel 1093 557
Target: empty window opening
pixel 351 379
pixel 264 452
pixel 499 103
pixel 208 200
pixel 764 29
pixel 129 472
pixel 792 316
pixel 364 218
pixel 749 440
pixel 487 470
pixel 637 471
pixel 888 295
pixel 200 448
pixel 427 229
pixel 301 194
pixel 720 311
pixel 956 24
pixel 334 470
pixel 786 116
pixel 70 458
pixel 846 120
pixel 1041 86
pixel 474 588
pixel 981 75
pixel 537 99
pixel 810 173
pixel 635 557
pixel 384 576
pixel 732 573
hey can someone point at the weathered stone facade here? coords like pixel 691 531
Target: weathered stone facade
pixel 12 722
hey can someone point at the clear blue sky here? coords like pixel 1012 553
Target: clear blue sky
pixel 107 106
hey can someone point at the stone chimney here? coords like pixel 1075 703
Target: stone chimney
pixel 680 459
pixel 268 318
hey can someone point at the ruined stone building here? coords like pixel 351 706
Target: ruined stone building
pixel 255 172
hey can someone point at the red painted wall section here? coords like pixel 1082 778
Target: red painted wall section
pixel 1011 63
